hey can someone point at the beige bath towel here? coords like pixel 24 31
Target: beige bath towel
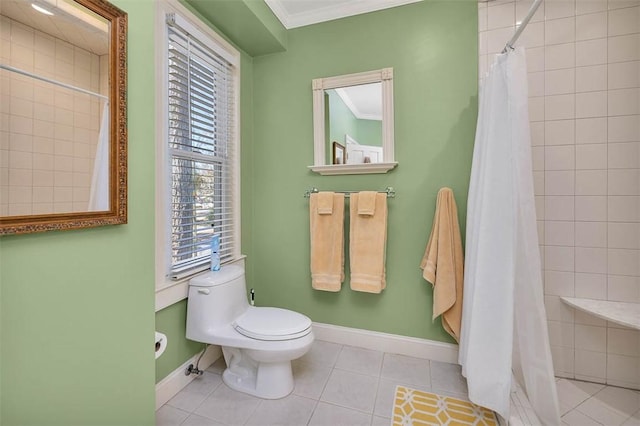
pixel 443 263
pixel 367 247
pixel 327 242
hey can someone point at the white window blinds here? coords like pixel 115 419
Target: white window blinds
pixel 201 151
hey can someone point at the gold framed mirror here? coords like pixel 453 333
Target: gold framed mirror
pixel 63 146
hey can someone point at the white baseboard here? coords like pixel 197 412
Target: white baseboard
pixel 168 387
pixel 391 343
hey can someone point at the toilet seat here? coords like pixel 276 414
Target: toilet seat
pixel 272 324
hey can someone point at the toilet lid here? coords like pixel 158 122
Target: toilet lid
pixel 272 324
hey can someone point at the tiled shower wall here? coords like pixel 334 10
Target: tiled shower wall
pixel 584 105
pixel 48 134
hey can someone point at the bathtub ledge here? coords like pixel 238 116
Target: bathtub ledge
pixel 622 313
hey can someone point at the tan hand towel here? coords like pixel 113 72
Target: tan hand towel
pixel 443 263
pixel 325 202
pixel 367 203
pixel 367 247
pixel 327 243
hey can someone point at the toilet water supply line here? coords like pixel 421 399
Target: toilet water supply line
pixel 195 370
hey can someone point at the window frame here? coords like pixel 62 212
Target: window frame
pixel 168 290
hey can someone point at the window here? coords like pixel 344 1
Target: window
pixel 201 170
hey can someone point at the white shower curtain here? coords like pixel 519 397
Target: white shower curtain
pixel 503 321
pixel 99 194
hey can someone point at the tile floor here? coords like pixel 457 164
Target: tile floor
pixel 345 385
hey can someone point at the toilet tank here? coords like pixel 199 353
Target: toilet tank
pixel 215 299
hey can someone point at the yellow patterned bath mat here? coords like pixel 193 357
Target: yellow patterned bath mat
pixel 414 407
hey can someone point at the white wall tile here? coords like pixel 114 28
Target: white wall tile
pixel 536 108
pixel 591 182
pixel 537 133
pixel 559 208
pixel 535 59
pixel 558 82
pixel 591 260
pixel 623 128
pixel 482 17
pixel 559 182
pixel 623 182
pixel 590 338
pixel 497 39
pixel 591 26
pixel 560 157
pixel 581 317
pixel 560 107
pixel 558 258
pixel 624 21
pixel 591 130
pixel 623 209
pixel 591 208
pixel 591 78
pixel 592 156
pixel 624 102
pixel 591 286
pixel 591 52
pixel 624 235
pixel 559 233
pixel 540 206
pixel 559 31
pixel 624 48
pixel 555 9
pixel 536 83
pixel 623 288
pixel 591 234
pixel 590 364
pixel 624 75
pixel 624 155
pixel 559 132
pixel 537 154
pixel 557 310
pixel 538 182
pixel 591 104
pixel 590 6
pixel 561 334
pixel 623 370
pixel 563 56
pixel 563 360
pixel 623 262
pixel 618 4
pixel 500 16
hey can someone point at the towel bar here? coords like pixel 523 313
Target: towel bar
pixel 391 193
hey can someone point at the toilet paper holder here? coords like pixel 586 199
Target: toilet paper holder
pixel 160 344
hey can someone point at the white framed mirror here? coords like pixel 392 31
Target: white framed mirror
pixel 353 123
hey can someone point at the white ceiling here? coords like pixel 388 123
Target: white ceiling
pixel 298 13
pixel 69 22
pixel 364 101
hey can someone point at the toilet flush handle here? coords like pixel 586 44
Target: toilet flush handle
pixel 203 290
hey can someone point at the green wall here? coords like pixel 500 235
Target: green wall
pixel 77 306
pixel 432 47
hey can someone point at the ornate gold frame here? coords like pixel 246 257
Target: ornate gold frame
pixel 117 214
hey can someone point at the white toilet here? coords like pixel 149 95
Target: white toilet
pixel 258 344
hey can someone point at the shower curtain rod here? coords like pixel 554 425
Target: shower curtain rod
pixel 523 24
pixel 48 80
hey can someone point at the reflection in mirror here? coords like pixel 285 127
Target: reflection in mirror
pixel 354 113
pixel 62 94
pixel 355 121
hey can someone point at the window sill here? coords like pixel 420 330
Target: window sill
pixel 170 292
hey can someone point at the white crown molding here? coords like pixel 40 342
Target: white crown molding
pixel 329 13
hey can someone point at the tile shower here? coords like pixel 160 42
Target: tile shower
pixel 584 105
pixel 48 134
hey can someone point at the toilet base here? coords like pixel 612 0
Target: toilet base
pixel 271 380
pixel 268 380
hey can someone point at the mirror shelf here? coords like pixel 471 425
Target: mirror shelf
pixel 352 169
pixel 321 86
